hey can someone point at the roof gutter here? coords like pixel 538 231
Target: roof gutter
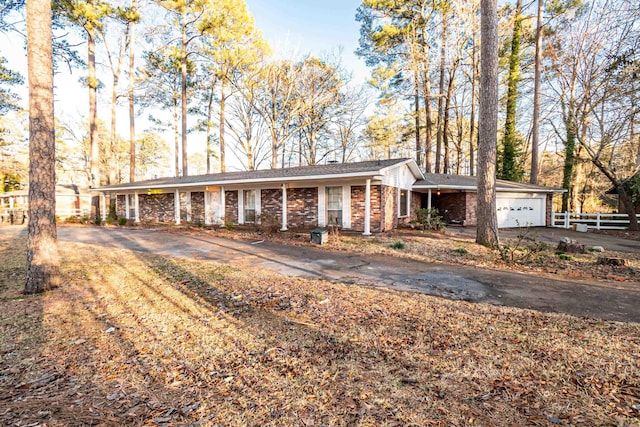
pixel 372 174
pixel 501 189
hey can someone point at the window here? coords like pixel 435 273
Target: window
pixel 132 206
pixel 334 206
pixel 403 211
pixel 249 205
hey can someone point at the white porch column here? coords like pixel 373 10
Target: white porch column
pixel 322 206
pixel 207 207
pixel 188 206
pixel 136 207
pixel 103 206
pixel 367 209
pixel 258 205
pixel 346 206
pixel 284 207
pixel 176 203
pixel 240 206
pixel 126 205
pixel 221 206
pixel 429 199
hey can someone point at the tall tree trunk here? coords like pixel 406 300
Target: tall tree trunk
pixel 509 164
pixel 472 118
pixel 183 70
pixel 627 203
pixel 132 116
pixel 43 272
pixel 176 136
pixel 445 130
pixel 114 169
pixel 487 227
pixel 274 151
pixel 535 138
pixel 222 107
pixel 441 93
pixel 208 132
pixel 416 105
pixel 93 119
pixel 426 94
pixel 569 159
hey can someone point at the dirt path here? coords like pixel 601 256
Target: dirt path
pixel 540 292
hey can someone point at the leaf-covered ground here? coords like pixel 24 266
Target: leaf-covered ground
pixel 526 254
pixel 132 339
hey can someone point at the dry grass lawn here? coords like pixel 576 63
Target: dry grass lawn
pixel 134 339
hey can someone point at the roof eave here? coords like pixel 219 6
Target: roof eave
pixel 374 174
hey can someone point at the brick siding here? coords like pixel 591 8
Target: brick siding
pixel 121 206
pixel 302 208
pixel 357 208
pixel 231 206
pixel 271 204
pixel 157 207
pixel 197 207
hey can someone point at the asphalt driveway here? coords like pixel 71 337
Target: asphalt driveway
pixel 619 302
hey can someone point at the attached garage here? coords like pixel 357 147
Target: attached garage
pixel 521 209
pixel 517 204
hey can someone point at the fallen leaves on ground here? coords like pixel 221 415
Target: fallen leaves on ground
pixel 133 339
pixel 436 247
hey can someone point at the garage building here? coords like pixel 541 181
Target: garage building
pixel 517 204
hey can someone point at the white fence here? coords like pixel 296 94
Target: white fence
pixel 599 221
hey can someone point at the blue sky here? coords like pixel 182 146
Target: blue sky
pixel 311 26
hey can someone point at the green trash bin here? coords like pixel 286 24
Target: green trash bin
pixel 319 236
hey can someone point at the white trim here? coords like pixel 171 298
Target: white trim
pixel 103 206
pixel 222 205
pixel 498 189
pixel 284 208
pixel 322 206
pixel 375 175
pixel 207 207
pixel 136 206
pixel 258 205
pixel 346 206
pixel 126 205
pixel 188 197
pixel 367 208
pixel 176 205
pixel 240 207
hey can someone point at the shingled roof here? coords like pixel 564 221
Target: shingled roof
pixel 460 182
pixel 337 170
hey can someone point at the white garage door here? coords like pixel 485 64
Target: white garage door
pixel 521 210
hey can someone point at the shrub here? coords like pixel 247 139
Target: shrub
pixel 397 245
pixel 97 220
pixel 228 225
pixel 71 220
pixel 112 211
pixel 84 220
pixel 461 251
pixel 522 248
pixel 268 223
pixel 108 221
pixel 428 219
pixel 565 257
pixel 122 221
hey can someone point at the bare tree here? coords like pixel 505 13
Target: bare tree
pixel 43 271
pixel 487 228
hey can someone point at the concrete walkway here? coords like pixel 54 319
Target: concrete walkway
pixel 541 292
